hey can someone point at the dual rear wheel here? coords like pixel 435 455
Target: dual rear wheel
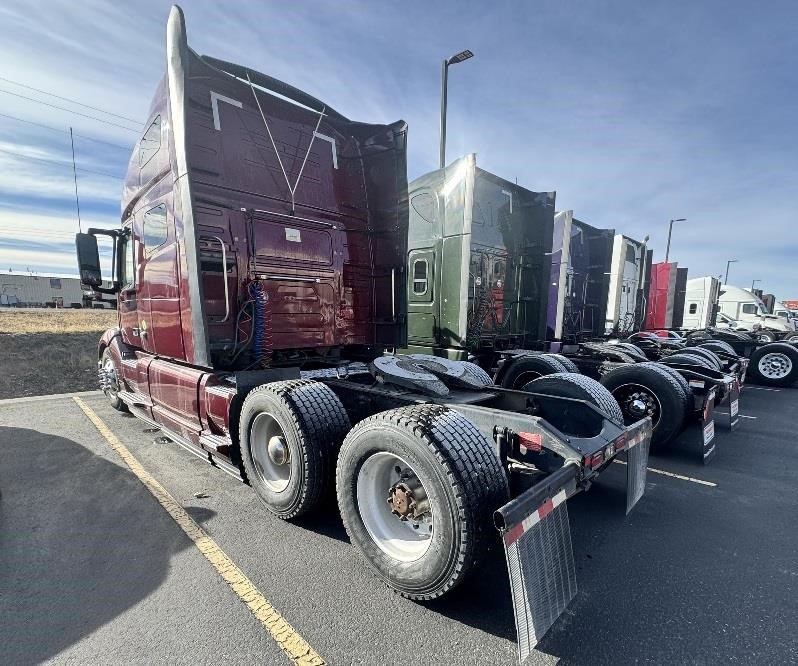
pixel 416 486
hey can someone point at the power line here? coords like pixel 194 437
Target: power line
pixel 77 113
pixel 64 164
pixel 67 99
pixel 58 129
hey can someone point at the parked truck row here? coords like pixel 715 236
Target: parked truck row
pixel 443 359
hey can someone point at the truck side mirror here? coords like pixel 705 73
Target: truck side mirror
pixel 88 260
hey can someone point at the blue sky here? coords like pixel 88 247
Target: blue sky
pixel 633 112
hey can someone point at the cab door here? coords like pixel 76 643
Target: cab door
pixel 159 309
pixel 422 322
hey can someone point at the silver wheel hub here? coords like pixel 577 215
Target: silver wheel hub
pixel 394 507
pixel 775 365
pixel 271 453
pixel 637 401
pixel 277 450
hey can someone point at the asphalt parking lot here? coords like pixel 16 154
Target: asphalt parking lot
pixel 94 570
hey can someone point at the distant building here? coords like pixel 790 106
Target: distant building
pixel 41 291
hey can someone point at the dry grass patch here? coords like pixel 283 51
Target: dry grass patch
pixel 56 321
pixel 50 351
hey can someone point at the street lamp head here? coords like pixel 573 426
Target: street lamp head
pixel 681 219
pixel 459 57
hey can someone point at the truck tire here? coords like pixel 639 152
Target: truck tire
pixel 644 390
pixel 633 350
pixel 774 364
pixel 726 334
pixel 687 392
pixel 290 433
pixel 569 385
pixel 765 336
pixel 791 337
pixel 612 353
pixel 718 346
pixel 709 355
pixel 567 364
pixel 420 457
pixel 689 359
pixel 526 368
pixel 112 393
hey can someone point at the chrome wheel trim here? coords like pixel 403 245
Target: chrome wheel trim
pixel 638 401
pixel 266 437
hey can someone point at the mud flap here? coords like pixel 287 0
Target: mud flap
pixel 734 405
pixel 708 428
pixel 636 466
pixel 536 536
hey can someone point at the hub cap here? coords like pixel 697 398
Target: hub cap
pixel 394 507
pixel 775 365
pixel 108 379
pixel 270 452
pixel 637 402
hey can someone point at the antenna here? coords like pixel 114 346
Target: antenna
pixel 75 176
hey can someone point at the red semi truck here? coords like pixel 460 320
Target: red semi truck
pixel 260 276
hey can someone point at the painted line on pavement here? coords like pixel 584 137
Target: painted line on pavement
pixel 742 416
pixel 760 388
pixel 286 637
pixel 675 476
pixel 49 396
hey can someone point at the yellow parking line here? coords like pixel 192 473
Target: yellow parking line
pixel 294 646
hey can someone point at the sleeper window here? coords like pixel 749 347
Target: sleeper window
pixel 420 276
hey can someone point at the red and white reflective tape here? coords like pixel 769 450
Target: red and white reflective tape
pixel 512 535
pixel 634 441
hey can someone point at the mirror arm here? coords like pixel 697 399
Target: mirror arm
pixel 114 234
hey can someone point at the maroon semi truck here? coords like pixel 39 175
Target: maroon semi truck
pixel 260 276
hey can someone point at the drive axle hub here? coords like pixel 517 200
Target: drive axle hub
pixel 402 502
pixel 277 450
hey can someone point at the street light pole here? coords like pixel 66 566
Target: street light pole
pixel 670 231
pixel 459 57
pixel 730 261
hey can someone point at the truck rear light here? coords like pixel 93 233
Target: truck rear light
pixel 595 461
pixel 530 441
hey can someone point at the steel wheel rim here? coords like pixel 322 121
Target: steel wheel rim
pixel 524 378
pixel 775 365
pixel 395 537
pixel 628 394
pixel 267 433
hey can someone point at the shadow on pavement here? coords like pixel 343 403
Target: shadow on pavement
pixel 81 541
